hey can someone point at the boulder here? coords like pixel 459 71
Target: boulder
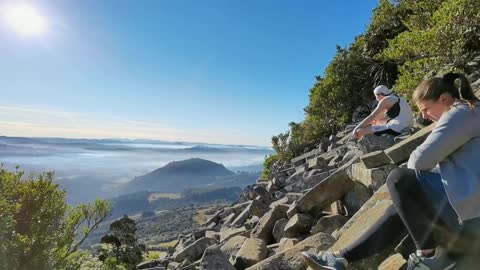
pixel 252 251
pixel 292 210
pixel 278 229
pixel 316 163
pixel 370 143
pixel 401 151
pixel 232 246
pixel 299 224
pixel 231 232
pixel 264 228
pixel 256 208
pixel 213 259
pixel 252 222
pixel 194 251
pixel 373 210
pixel 394 262
pixel 328 224
pixel 292 259
pixel 262 192
pixel 286 243
pixel 152 264
pixel 375 159
pixel 355 198
pixel 283 200
pixel 373 178
pixel 338 208
pixel 326 192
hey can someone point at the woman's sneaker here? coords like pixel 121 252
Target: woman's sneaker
pixel 438 261
pixel 325 261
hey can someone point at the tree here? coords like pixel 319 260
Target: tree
pixel 38 230
pixel 122 245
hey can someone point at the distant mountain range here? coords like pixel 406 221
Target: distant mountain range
pixel 178 176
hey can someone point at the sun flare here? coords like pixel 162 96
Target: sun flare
pixel 25 20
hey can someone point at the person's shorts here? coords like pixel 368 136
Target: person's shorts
pixel 379 130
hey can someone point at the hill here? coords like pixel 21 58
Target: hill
pixel 180 175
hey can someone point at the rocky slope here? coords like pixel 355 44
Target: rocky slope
pixel 321 200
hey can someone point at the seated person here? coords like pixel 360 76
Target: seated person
pixel 426 203
pixel 391 116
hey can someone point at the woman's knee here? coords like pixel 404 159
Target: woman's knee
pixel 399 175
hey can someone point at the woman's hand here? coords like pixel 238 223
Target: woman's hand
pixel 355 133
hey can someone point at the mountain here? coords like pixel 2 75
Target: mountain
pixel 180 175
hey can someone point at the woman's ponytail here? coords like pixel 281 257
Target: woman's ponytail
pixel 460 88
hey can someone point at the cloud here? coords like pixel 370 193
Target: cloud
pixel 46 122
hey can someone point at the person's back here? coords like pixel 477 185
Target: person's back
pixel 405 117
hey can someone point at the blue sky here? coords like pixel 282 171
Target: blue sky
pixel 215 71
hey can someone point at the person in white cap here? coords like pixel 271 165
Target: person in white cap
pixel 391 116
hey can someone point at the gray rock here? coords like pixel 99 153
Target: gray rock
pixel 375 159
pixel 325 193
pixel 264 228
pixel 292 259
pixel 214 259
pixel 278 229
pixel 401 151
pixel 371 143
pixel 328 224
pixel 252 251
pixel 355 198
pixel 232 246
pixel 299 224
pixel 256 208
pixel 373 178
pixel 194 251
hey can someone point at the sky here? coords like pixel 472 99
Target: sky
pixel 214 71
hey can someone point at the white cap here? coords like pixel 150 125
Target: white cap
pixel 382 90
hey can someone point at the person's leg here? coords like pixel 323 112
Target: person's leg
pixel 365 131
pixel 417 207
pixel 387 230
pixel 387 131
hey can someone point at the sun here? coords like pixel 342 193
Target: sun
pixel 25 20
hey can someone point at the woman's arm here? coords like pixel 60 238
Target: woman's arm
pixel 450 133
pixel 376 114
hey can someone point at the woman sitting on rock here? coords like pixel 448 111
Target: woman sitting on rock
pixel 391 116
pixel 427 202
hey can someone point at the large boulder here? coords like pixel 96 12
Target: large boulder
pixel 213 259
pixel 228 233
pixel 370 143
pixel 255 208
pixel 299 224
pixel 278 229
pixel 326 192
pixel 286 243
pixel 252 251
pixel 373 210
pixel 194 251
pixel 402 150
pixel 394 262
pixel 264 228
pixel 328 224
pixel 232 246
pixel 292 259
pixel 316 163
pixel 375 159
pixel 355 198
pixel 373 178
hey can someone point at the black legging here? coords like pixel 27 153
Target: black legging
pixel 411 212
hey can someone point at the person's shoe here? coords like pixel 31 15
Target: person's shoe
pixel 439 260
pixel 325 261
